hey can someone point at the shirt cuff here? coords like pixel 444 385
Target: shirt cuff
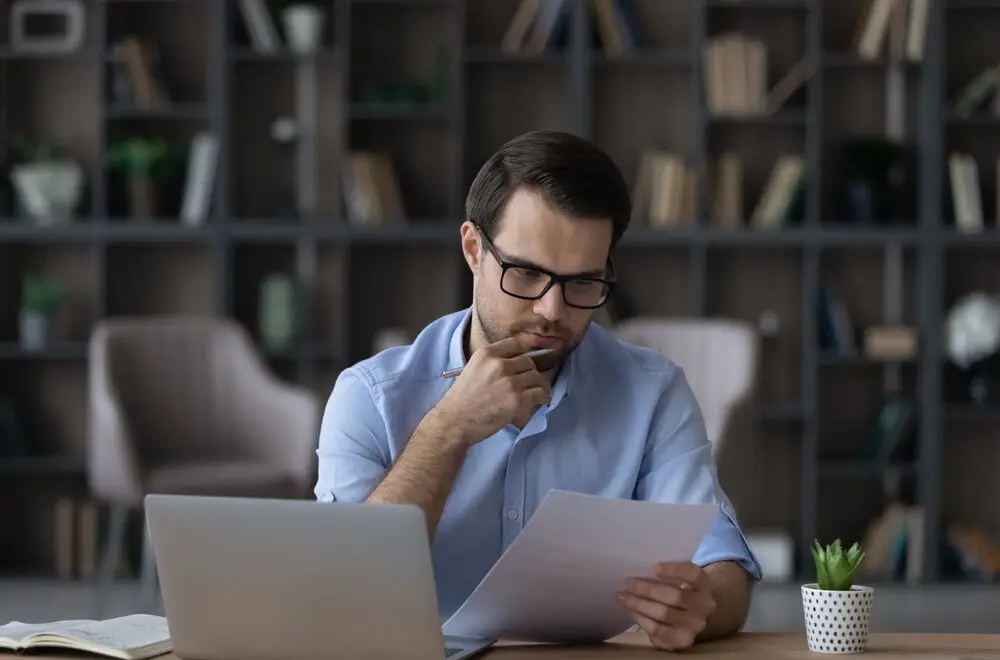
pixel 726 542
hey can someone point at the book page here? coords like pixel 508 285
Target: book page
pixel 127 632
pixel 16 632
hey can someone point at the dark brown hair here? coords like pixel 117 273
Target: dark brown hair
pixel 570 173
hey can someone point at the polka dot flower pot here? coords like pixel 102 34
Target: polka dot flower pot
pixel 837 621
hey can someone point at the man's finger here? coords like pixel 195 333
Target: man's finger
pixel 688 620
pixel 658 591
pixel 506 348
pixel 662 635
pixel 686 571
pixel 651 609
pixel 519 364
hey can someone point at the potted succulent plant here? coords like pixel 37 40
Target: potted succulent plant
pixel 140 160
pixel 41 298
pixel 837 611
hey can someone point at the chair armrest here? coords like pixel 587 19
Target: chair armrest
pixel 113 470
pixel 281 425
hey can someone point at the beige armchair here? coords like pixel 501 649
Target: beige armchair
pixel 719 358
pixel 186 405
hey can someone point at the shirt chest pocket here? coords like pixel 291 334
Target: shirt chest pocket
pixel 578 463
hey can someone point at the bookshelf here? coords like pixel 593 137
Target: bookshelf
pixel 468 93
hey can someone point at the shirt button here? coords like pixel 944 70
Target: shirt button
pixel 512 514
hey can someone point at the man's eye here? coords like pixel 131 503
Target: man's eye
pixel 526 274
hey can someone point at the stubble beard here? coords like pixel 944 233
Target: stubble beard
pixel 494 330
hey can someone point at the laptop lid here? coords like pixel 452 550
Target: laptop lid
pixel 252 578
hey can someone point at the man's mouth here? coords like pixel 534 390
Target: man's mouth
pixel 544 341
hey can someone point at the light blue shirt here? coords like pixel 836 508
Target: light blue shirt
pixel 623 423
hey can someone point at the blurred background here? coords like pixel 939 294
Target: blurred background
pixel 210 207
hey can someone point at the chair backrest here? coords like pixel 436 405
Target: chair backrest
pixel 177 379
pixel 719 358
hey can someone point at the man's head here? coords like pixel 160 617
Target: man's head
pixel 546 202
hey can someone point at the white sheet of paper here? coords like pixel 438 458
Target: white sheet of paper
pixel 558 581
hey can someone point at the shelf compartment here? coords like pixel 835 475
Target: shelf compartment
pixel 71 267
pixel 152 280
pixel 763 288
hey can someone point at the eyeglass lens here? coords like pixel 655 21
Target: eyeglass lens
pixel 530 283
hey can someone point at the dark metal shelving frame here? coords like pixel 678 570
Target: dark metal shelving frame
pixel 225 234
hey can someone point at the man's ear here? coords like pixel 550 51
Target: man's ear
pixel 472 246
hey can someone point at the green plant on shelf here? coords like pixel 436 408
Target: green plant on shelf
pixel 144 162
pixel 42 295
pixel 835 567
pixel 26 150
pixel 139 156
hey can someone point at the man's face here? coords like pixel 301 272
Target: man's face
pixel 533 234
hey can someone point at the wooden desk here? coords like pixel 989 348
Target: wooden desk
pixel 747 646
pixel 768 646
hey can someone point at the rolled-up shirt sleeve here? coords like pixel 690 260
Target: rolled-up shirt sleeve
pixel 678 467
pixel 352 446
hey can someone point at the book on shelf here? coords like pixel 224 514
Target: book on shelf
pixel 75 539
pixel 537 26
pixel 666 190
pixel 616 26
pixel 966 195
pixel 780 191
pixel 736 74
pixel 199 184
pixel 981 88
pixel 789 84
pixel 132 637
pixel 894 544
pixel 372 192
pixel 136 74
pixel 899 26
pixel 727 191
pixel 260 26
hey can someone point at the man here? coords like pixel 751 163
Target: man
pixel 479 452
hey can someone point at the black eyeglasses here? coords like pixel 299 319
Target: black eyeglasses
pixel 532 282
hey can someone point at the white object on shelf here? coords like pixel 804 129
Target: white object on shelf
pixel 773 550
pixel 303 27
pixel 387 338
pixel 837 621
pixel 34 328
pixel 23 12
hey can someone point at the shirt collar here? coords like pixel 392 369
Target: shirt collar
pixel 561 387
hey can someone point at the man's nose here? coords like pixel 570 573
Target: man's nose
pixel 551 305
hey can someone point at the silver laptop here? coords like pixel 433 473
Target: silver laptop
pixel 294 579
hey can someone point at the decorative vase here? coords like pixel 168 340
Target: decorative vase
pixel 303 27
pixel 34 328
pixel 48 192
pixel 837 621
pixel 277 320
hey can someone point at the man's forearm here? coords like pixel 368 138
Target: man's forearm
pixel 425 472
pixel 731 589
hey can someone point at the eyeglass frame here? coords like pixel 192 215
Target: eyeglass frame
pixel 554 278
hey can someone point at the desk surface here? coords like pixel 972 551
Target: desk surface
pixel 746 646
pixel 751 646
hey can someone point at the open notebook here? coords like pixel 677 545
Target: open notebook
pixel 133 637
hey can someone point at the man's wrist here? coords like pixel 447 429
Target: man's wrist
pixel 446 432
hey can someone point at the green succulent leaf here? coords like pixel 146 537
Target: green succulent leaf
pixel 835 568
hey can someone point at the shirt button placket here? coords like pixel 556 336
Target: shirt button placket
pixel 513 495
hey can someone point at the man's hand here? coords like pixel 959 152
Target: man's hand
pixel 497 385
pixel 673 608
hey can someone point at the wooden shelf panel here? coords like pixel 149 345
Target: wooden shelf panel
pixel 149 280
